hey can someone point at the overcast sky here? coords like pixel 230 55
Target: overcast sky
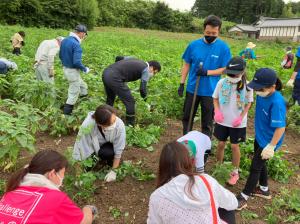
pixel 188 4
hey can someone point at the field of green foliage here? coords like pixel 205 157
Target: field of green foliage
pixel 29 107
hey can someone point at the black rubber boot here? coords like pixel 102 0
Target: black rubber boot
pixel 68 109
pixel 130 120
pixel 84 96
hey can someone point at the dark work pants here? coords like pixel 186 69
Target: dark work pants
pixel 207 110
pixel 114 86
pixel 258 171
pixel 107 153
pixel 227 216
pixel 16 51
pixel 296 91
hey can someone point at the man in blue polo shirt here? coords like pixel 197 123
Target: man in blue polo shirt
pixel 295 80
pixel 214 54
pixel 70 55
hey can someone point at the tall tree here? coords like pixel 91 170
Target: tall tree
pixel 240 11
pixel 162 16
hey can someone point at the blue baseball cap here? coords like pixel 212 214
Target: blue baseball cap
pixel 264 77
pixel 81 28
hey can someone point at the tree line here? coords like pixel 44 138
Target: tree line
pixel 143 14
pixel 121 13
pixel 245 11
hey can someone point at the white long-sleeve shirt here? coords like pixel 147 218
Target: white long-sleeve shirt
pixel 46 52
pixel 90 139
pixel 170 204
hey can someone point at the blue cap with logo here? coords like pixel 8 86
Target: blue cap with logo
pixel 264 77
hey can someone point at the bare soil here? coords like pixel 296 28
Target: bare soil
pixel 131 197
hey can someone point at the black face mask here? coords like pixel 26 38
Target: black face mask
pixel 231 75
pixel 210 39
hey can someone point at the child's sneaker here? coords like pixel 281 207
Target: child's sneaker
pixel 262 194
pixel 234 177
pixel 242 202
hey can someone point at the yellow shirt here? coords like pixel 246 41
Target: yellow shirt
pixel 17 40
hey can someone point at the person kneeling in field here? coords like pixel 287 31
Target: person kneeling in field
pixel 102 133
pixel 116 76
pixel 199 146
pixel 270 122
pixel 232 100
pixel 33 196
pixel 183 196
pixel 6 65
pixel 288 59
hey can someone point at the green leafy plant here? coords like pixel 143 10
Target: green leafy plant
pixel 80 186
pixel 4 84
pixel 288 201
pixel 25 112
pixel 2 187
pixel 279 168
pixel 142 137
pixel 40 94
pixel 14 136
pixel 222 172
pixel 115 212
pixel 294 118
pixel 135 170
pixel 60 124
pixel 248 215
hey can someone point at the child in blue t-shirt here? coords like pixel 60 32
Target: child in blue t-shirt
pixel 270 122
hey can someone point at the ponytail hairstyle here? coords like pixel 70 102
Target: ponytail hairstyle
pixel 278 85
pixel 42 162
pixel 241 84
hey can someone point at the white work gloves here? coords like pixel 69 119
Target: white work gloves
pixel 290 83
pixel 268 152
pixel 87 70
pixel 111 176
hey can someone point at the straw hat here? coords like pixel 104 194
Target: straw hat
pixel 251 45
